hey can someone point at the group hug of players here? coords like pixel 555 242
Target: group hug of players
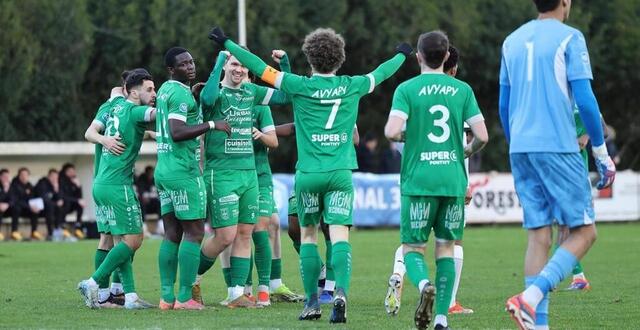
pixel 230 185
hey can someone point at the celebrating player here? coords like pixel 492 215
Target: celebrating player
pixel 179 180
pixel 325 110
pixel 545 68
pixel 117 206
pixel 433 179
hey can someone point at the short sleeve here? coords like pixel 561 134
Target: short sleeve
pixel 577 58
pixel 141 113
pixel 504 73
pixel 262 94
pixel 289 82
pixel 102 116
pixel 266 120
pixel 178 105
pixel 472 114
pixel 365 84
pixel 400 105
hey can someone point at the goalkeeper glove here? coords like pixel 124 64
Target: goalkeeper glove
pixel 404 48
pixel 218 36
pixel 605 166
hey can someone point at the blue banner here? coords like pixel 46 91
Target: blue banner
pixel 376 200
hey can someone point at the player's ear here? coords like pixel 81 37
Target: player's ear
pixel 419 58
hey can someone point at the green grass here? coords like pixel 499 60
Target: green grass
pixel 38 281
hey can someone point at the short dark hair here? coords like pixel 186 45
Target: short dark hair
pixel 544 6
pixel 23 169
pixel 170 56
pixel 433 47
pixel 51 171
pixel 452 61
pixel 136 78
pixel 324 49
pixel 3 171
pixel 126 73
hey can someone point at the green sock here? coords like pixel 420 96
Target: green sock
pixel 226 273
pixel 168 264
pixel 276 269
pixel 239 270
pixel 188 262
pixel 328 256
pixel 250 275
pixel 205 263
pixel 310 268
pixel 98 259
pixel 446 275
pixel 118 255
pixel 296 246
pixel 115 277
pixel 263 256
pixel 416 268
pixel 341 259
pixel 125 271
pixel 577 269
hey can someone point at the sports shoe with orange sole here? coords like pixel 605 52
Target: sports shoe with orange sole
pixel 263 299
pixel 165 306
pixel 36 236
pixel 522 313
pixel 196 293
pixel 579 284
pixel 458 309
pixel 242 301
pixel 189 305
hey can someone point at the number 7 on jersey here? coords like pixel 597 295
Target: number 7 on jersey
pixel 334 111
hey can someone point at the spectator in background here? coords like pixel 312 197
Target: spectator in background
pixel 147 193
pixel 71 193
pixel 367 153
pixel 610 140
pixel 391 159
pixel 5 183
pixel 21 195
pixel 49 190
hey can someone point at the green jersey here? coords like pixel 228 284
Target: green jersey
pixel 580 131
pixel 176 160
pixel 128 121
pixel 102 116
pixel 263 121
pixel 435 107
pixel 236 107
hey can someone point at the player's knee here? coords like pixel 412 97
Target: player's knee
pixel 413 247
pixel 294 233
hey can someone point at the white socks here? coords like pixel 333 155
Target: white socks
pixel 398 263
pixel 422 284
pixel 458 256
pixel 440 319
pixel 103 295
pixel 329 285
pixel 532 296
pixel 274 284
pixel 116 288
pixel 236 292
pixel 130 297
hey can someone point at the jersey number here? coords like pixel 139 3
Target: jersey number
pixel 442 123
pixel 112 126
pixel 529 46
pixel 334 111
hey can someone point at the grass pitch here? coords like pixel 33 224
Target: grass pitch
pixel 38 286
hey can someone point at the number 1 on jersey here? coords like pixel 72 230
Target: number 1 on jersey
pixel 334 111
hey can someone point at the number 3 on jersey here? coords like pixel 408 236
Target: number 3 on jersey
pixel 334 111
pixel 442 123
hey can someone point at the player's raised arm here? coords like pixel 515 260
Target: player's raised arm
pixel 281 57
pixel 389 67
pixel 211 89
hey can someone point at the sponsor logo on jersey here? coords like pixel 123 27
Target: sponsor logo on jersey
pixel 241 131
pixel 453 216
pixel 439 157
pixel 341 202
pixel 238 146
pixel 332 92
pixel 180 199
pixel 438 89
pixel 329 140
pixel 310 202
pixel 419 214
pixel 229 199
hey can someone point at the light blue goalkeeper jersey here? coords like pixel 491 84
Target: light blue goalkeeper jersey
pixel 539 59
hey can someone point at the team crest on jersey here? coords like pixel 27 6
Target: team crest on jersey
pixel 183 107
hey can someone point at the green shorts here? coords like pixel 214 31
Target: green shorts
pixel 418 214
pixel 186 198
pixel 266 204
pixel 117 209
pixel 327 195
pixel 232 197
pixel 293 206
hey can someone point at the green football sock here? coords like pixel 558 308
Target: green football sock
pixel 125 271
pixel 296 246
pixel 115 277
pixel 118 255
pixel 226 273
pixel 416 268
pixel 188 262
pixel 263 256
pixel 98 259
pixel 577 269
pixel 168 264
pixel 328 256
pixel 249 281
pixel 205 263
pixel 239 270
pixel 310 268
pixel 446 275
pixel 341 259
pixel 276 269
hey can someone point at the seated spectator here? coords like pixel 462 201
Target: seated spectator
pixel 48 189
pixel 368 155
pixel 22 204
pixel 147 193
pixel 71 194
pixel 391 159
pixel 5 183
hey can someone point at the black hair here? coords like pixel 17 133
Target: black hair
pixel 126 73
pixel 3 171
pixel 136 78
pixel 433 47
pixel 52 170
pixel 170 56
pixel 452 61
pixel 65 167
pixel 22 169
pixel 544 6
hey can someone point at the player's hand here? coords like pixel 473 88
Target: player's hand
pixel 583 141
pixel 257 134
pixel 467 197
pixel 605 166
pixel 225 53
pixel 467 151
pixel 404 48
pixel 277 55
pixel 221 125
pixel 217 35
pixel 196 89
pixel 113 145
pixel 82 203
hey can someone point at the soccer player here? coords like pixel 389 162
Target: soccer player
pixel 179 180
pixel 116 201
pixel 325 111
pixel 392 300
pixel 433 180
pixel 230 174
pixel 545 69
